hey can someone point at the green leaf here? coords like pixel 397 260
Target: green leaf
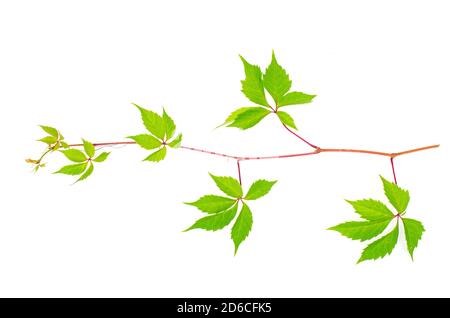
pixel 102 157
pixel 276 80
pixel 169 125
pixel 228 185
pixel 258 189
pixel 157 155
pixel 212 203
pixel 234 115
pixel 250 117
pixel 153 122
pixel 49 140
pixel 398 197
pixel 362 230
pixel 176 142
pixel 216 221
pixel 87 173
pixel 295 98
pixel 73 170
pixel 252 86
pixel 371 210
pixel 146 141
pixel 74 155
pixel 380 247
pixel 241 227
pixel 286 119
pixel 89 148
pixel 413 233
pixel 50 130
pixel 64 144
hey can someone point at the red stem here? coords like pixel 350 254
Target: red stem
pixel 301 138
pixel 239 172
pixel 393 170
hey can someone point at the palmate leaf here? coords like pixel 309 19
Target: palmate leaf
pixel 157 155
pixel 101 157
pixel 146 141
pixel 89 148
pixel 87 173
pixel 216 221
pixel 176 142
pixel 242 227
pixel 153 122
pixel 295 98
pixel 169 125
pixel 74 155
pixel 73 170
pixel 378 217
pixel 381 247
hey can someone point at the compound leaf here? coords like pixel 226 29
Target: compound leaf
pixel 362 230
pixel 295 98
pixel 259 188
pixel 216 221
pixel 230 186
pixel 371 210
pixel 381 247
pixel 252 86
pixel 74 155
pixel 157 155
pixel 286 119
pixel 241 227
pixel 276 80
pixel 234 115
pixel 413 233
pixel 146 141
pixel 212 203
pixel 249 117
pixel 398 197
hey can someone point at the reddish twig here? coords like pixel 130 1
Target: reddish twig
pixel 393 169
pixel 301 138
pixel 239 172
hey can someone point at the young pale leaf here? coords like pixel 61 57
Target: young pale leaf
pixel 398 197
pixel 157 155
pixel 380 247
pixel 74 155
pixel 371 210
pixel 241 227
pixel 212 203
pixel 49 140
pixel 258 189
pixel 413 233
pixel 276 80
pixel 362 230
pixel 286 119
pixel 50 130
pixel 89 148
pixel 146 141
pixel 228 185
pixel 73 170
pixel 102 157
pixel 216 221
pixel 176 142
pixel 169 125
pixel 153 122
pixel 234 115
pixel 87 173
pixel 64 144
pixel 295 98
pixel 250 117
pixel 252 86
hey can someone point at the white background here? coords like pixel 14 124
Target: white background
pixel 380 70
